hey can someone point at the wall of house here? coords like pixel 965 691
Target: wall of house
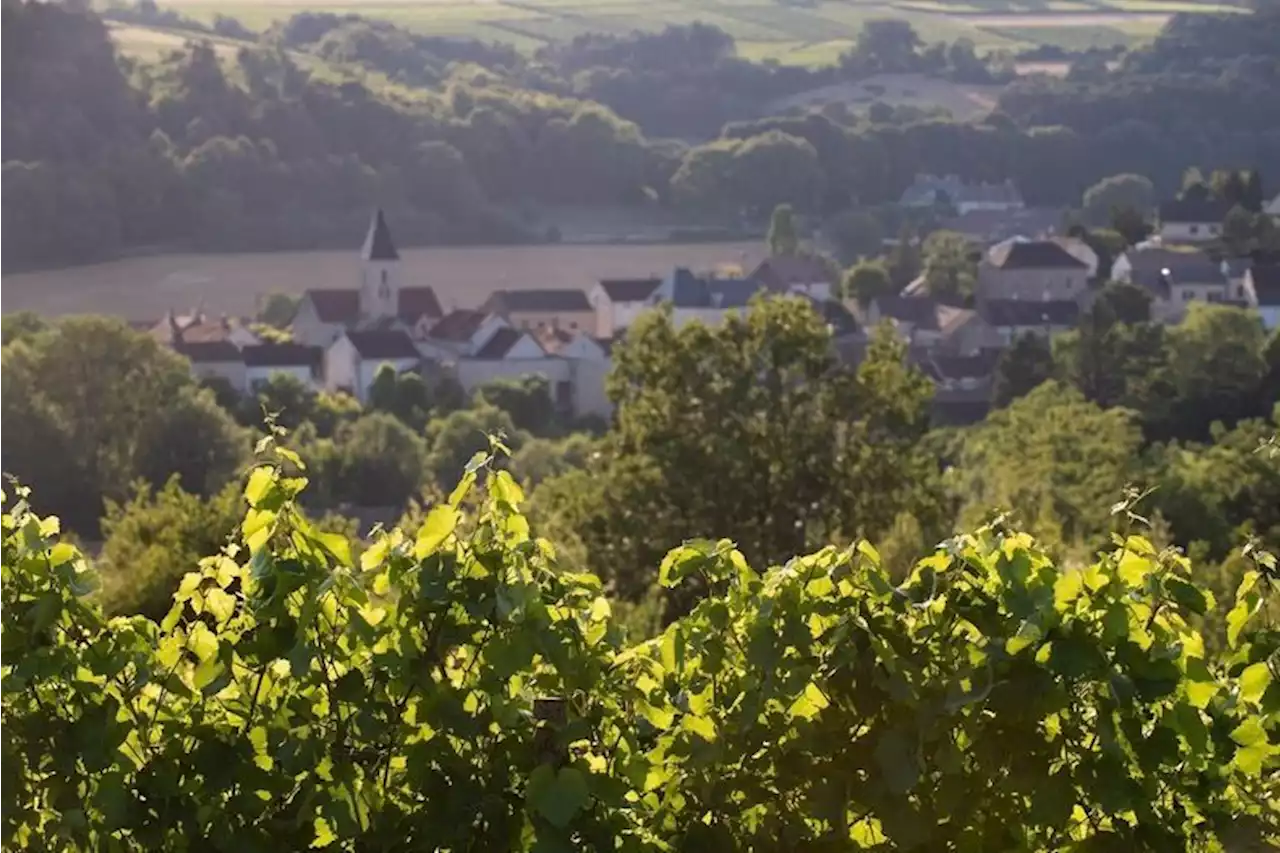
pixel 1031 284
pixel 1270 316
pixel 232 372
pixel 473 372
pixel 340 366
pixel 301 372
pixel 585 320
pixel 1189 232
pixel 708 316
pixel 307 328
pixel 588 377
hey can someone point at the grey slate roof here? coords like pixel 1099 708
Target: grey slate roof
pixel 1191 267
pixel 500 343
pixel 383 343
pixel 282 355
pixel 335 306
pixel 206 352
pixel 1194 210
pixel 1034 254
pixel 629 289
pixel 687 290
pixel 1266 283
pixel 537 299
pixel 378 245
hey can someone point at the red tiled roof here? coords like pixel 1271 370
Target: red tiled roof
pixel 335 306
pixel 458 325
pixel 416 303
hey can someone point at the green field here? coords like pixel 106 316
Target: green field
pixel 764 29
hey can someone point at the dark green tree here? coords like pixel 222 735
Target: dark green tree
pixel 783 237
pixel 1021 369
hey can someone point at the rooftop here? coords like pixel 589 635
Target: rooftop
pixel 206 352
pixel 1033 254
pixel 383 343
pixel 1194 210
pixel 282 355
pixel 629 289
pixel 780 272
pixel 335 306
pixel 378 245
pixel 1266 284
pixel 458 325
pixel 500 343
pixel 548 300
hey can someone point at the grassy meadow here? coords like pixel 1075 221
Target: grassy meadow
pixel 765 29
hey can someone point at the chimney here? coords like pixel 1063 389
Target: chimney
pixel 175 331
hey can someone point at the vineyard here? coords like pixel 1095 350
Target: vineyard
pixel 454 688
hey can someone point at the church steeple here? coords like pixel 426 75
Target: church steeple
pixel 379 274
pixel 378 245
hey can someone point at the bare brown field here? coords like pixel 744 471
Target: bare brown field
pixel 145 288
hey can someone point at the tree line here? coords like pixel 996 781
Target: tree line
pixel 281 146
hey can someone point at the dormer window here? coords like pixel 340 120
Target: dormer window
pixel 383 276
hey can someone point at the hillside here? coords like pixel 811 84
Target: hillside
pixel 814 33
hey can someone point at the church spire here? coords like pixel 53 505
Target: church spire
pixel 377 243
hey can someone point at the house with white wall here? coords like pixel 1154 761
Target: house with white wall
pixel 701 298
pixel 1195 219
pixel 352 361
pixel 617 303
pixel 1175 276
pixel 302 362
pixel 806 275
pixel 460 333
pixel 1262 292
pixel 214 360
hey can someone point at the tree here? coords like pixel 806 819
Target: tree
pixel 527 400
pixel 783 238
pixel 887 44
pixel 1122 302
pixel 21 325
pixel 1118 192
pixel 276 309
pixel 854 234
pixel 452 441
pixel 287 398
pixel 91 405
pixel 865 281
pixel 381 461
pixel 1217 367
pixel 904 259
pixel 157 536
pixel 1021 369
pixel 1057 459
pixel 1239 230
pixel 752 431
pixel 950 269
pixel 1131 224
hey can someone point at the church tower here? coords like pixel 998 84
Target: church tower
pixel 379 271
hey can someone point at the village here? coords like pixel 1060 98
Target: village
pixel 1038 283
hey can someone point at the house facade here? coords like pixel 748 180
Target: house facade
pixel 1175 276
pixel 214 361
pixel 529 309
pixel 352 361
pixel 618 302
pixel 802 274
pixel 1035 270
pixel 965 197
pixel 1192 220
pixel 304 363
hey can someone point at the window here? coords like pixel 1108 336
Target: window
pixel 1188 295
pixel 383 274
pixel 1194 229
pixel 1213 229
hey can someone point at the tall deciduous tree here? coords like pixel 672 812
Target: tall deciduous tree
pixel 1021 369
pixel 867 280
pixel 91 405
pixel 751 430
pixel 783 237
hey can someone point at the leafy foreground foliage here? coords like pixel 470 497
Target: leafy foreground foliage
pixel 456 690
